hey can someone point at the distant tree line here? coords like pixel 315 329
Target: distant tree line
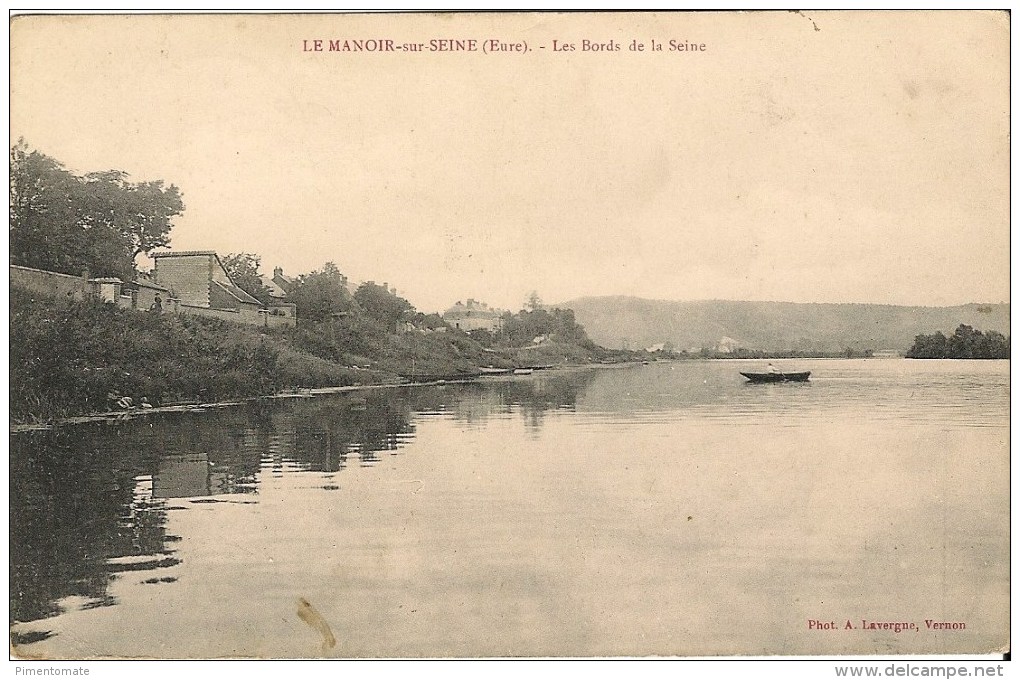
pixel 964 343
pixel 744 353
pixel 521 329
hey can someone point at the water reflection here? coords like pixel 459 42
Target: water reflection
pixel 323 434
pixel 90 504
pixel 79 513
pixel 530 398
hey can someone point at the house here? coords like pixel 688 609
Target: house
pixel 106 289
pixel 727 345
pixel 280 281
pixel 198 280
pixel 276 293
pixel 278 303
pixel 474 316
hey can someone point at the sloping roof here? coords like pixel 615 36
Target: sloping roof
pixel 230 288
pixel 237 293
pixel 472 309
pixel 274 288
pixel 183 253
pixel 149 284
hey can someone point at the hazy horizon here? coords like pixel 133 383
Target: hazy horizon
pixel 778 302
pixel 849 157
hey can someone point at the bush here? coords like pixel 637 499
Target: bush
pixel 68 357
pixel 964 343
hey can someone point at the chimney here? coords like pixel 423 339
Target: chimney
pixel 278 272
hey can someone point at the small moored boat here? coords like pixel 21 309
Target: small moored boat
pixel 801 376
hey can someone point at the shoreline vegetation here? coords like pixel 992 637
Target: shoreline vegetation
pixel 83 358
pixel 965 343
pixel 75 358
pixel 70 359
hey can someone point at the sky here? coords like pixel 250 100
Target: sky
pixel 821 157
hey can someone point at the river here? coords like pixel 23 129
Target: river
pixel 664 509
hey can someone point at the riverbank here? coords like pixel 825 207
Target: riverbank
pixel 130 414
pixel 72 360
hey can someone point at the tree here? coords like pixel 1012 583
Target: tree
pixel 243 269
pixel 964 343
pixel 483 337
pixel 48 225
pixel 97 222
pixel 383 306
pixel 153 208
pixel 429 321
pixel 534 302
pixel 521 329
pixel 322 295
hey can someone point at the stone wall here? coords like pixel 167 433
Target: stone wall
pixel 245 315
pixel 145 297
pixel 51 284
pixel 280 321
pixel 283 309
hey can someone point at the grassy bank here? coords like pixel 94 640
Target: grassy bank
pixel 67 357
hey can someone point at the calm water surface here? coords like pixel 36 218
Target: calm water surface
pixel 668 509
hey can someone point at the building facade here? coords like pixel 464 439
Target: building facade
pixel 199 281
pixel 474 316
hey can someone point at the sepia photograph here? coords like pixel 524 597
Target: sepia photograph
pixel 509 335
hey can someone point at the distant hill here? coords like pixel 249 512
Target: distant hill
pixel 636 323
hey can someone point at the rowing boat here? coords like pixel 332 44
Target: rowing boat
pixel 776 377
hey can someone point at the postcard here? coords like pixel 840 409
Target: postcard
pixel 509 335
